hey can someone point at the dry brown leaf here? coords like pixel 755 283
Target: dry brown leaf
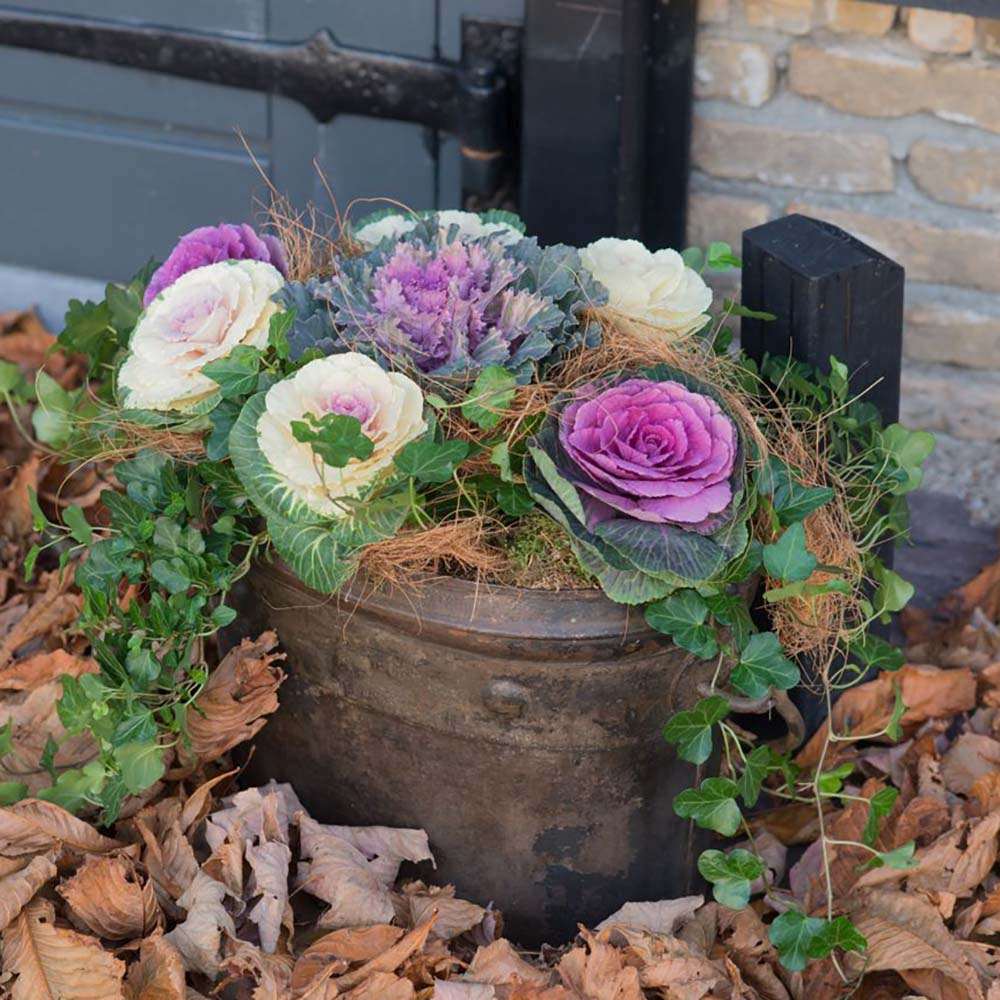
pixel 159 972
pixel 906 933
pixel 25 342
pixel 985 791
pixel 382 986
pixel 500 965
pixel 922 820
pixel 273 804
pixel 198 804
pixel 390 959
pixel 51 612
pixel 927 691
pixel 454 916
pixel 339 874
pixel 456 989
pixel 18 887
pixel 386 847
pixel 108 897
pixel 239 693
pixel 198 937
pixel 52 963
pixel 671 965
pixel 168 855
pixel 969 758
pixel 598 972
pixel 32 826
pixel 225 864
pixel 15 508
pixel 661 917
pixel 246 967
pixel 979 856
pixel 33 671
pixel 269 863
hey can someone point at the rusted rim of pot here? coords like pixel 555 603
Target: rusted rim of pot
pixel 492 610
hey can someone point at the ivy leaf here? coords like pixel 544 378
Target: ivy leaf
pixel 691 730
pixel 893 728
pixel 142 666
pixel 335 437
pixel 791 499
pixel 77 787
pixel 277 332
pixel 731 875
pixel 222 419
pixel 901 858
pixel 712 805
pixel 762 666
pixel 731 612
pixel 431 461
pixel 47 760
pixel 720 257
pixel 879 806
pixel 171 574
pixel 489 397
pixel 514 499
pixel 11 792
pixel 893 592
pixel 52 419
pixel 758 765
pixel 80 531
pixel 10 376
pixel 909 449
pixel 799 938
pixel 788 558
pixel 500 457
pixel 235 374
pixel 141 765
pixel 831 782
pixel 682 617
pixel 6 737
pixel 87 330
pixel 876 653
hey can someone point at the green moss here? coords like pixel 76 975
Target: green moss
pixel 542 557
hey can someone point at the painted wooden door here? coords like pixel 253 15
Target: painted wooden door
pixel 104 166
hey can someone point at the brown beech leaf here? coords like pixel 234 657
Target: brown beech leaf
pixel 15 509
pixel 51 612
pixel 906 933
pixel 339 874
pixel 239 693
pixel 42 668
pixel 333 953
pixel 168 855
pixel 225 864
pixel 457 989
pixel 454 916
pixel 199 936
pixel 661 917
pixel 969 758
pixel 198 804
pixel 986 792
pixel 390 959
pixel 386 847
pixel 382 986
pixel 500 965
pixel 52 963
pixel 32 826
pixel 923 820
pixel 269 863
pixel 159 972
pixel 246 966
pixel 18 887
pixel 598 972
pixel 267 810
pixel 927 691
pixel 108 897
pixel 667 963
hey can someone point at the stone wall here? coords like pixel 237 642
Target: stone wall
pixel 884 121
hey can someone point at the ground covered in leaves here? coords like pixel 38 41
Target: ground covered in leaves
pixel 205 888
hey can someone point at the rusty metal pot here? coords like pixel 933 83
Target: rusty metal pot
pixel 520 728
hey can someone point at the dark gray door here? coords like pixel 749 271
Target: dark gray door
pixel 104 166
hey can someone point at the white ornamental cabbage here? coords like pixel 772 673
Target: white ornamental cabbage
pixel 470 226
pixel 657 289
pixel 388 404
pixel 200 318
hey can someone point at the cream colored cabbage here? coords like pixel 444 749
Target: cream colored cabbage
pixel 200 318
pixel 388 404
pixel 654 288
pixel 469 225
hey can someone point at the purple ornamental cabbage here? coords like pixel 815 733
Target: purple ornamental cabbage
pixel 647 474
pixel 211 244
pixel 447 307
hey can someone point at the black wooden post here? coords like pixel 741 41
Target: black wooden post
pixel 606 119
pixel 832 294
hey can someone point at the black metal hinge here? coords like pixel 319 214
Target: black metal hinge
pixel 472 99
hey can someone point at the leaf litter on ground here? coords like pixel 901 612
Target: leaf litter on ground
pixel 206 889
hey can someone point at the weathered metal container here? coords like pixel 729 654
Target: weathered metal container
pixel 521 729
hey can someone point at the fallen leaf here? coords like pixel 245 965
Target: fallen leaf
pixel 198 937
pixel 159 972
pixel 246 967
pixel 51 961
pixel 389 960
pixel 339 874
pixel 269 863
pixel 108 897
pixel 969 758
pixel 15 508
pixel 34 671
pixel 658 918
pixel 454 989
pixel 927 692
pixel 50 613
pixel 986 791
pixel 598 972
pixel 922 820
pixel 32 826
pixel 168 855
pixel 19 887
pixel 500 965
pixel 906 933
pixel 386 847
pixel 454 916
pixel 238 695
pixel 250 808
pixel 382 986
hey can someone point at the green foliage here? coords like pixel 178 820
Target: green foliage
pixel 236 373
pixel 682 617
pixel 731 875
pixel 762 666
pixel 712 805
pixel 335 437
pixel 430 461
pixel 691 730
pixel 799 938
pixel 788 558
pixel 491 394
